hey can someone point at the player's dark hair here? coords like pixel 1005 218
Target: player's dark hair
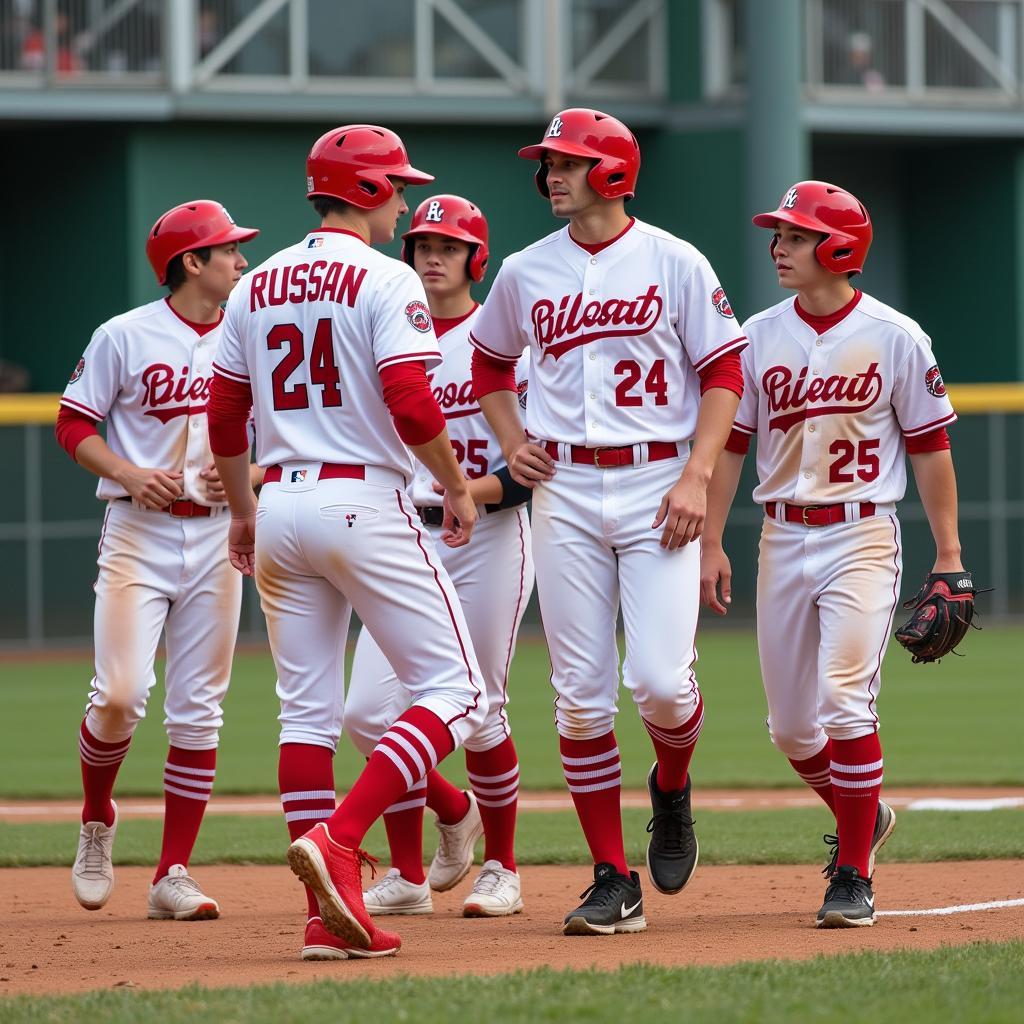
pixel 176 268
pixel 328 204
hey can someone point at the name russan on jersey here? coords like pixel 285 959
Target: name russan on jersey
pixel 311 336
pixel 475 445
pixel 148 373
pixel 831 412
pixel 617 338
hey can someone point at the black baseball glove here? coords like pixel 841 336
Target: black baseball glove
pixel 943 612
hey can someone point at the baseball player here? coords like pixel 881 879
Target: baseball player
pixel 837 386
pixel 634 353
pixel 163 562
pixel 447 246
pixel 329 341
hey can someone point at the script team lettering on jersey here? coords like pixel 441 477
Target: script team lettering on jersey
pixel 161 387
pixel 837 393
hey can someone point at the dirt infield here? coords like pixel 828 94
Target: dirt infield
pixel 22 811
pixel 50 945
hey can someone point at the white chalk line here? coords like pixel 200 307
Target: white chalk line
pixel 526 803
pixel 964 908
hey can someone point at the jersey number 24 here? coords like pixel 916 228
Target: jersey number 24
pixel 323 370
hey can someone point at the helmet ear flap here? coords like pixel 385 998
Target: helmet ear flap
pixel 541 177
pixel 476 263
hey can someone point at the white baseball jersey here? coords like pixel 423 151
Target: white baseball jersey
pixel 831 412
pixel 475 445
pixel 147 373
pixel 617 338
pixel 309 330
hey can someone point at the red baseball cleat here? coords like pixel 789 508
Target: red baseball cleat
pixel 334 873
pixel 320 944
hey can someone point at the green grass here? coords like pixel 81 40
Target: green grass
pixel 977 982
pixel 791 836
pixel 958 722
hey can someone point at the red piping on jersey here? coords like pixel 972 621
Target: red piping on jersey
pixel 934 441
pixel 721 350
pixel 227 415
pixel 442 325
pixel 595 247
pixel 200 329
pixel 928 427
pixel 725 372
pixel 477 343
pixel 491 374
pixel 821 324
pixel 410 400
pixel 448 605
pixel 408 357
pixel 72 428
pixel 239 378
pixel 80 407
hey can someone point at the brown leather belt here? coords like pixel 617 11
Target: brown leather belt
pixel 610 458
pixel 817 515
pixel 182 508
pixel 328 471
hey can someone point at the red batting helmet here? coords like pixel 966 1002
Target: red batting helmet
pixel 832 211
pixel 580 131
pixel 191 226
pixel 453 217
pixel 352 163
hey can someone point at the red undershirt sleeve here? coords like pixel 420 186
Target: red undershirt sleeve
pixel 725 372
pixel 490 374
pixel 738 442
pixel 73 428
pixel 410 400
pixel 227 414
pixel 934 441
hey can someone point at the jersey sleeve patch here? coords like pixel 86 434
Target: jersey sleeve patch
pixel 721 303
pixel 76 374
pixel 521 389
pixel 418 315
pixel 933 383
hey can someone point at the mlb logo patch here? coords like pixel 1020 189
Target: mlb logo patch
pixel 298 476
pixel 315 243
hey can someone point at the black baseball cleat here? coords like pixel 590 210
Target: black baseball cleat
pixel 614 903
pixel 673 851
pixel 885 822
pixel 849 901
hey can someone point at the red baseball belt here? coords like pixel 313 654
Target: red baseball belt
pixel 182 508
pixel 609 458
pixel 328 471
pixel 816 515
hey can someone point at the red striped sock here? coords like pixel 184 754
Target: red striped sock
pixel 100 763
pixel 305 776
pixel 415 744
pixel 593 773
pixel 188 782
pixel 857 780
pixel 674 748
pixel 817 773
pixel 448 802
pixel 494 776
pixel 403 821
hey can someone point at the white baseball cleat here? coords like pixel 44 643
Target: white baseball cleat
pixel 394 895
pixel 92 877
pixel 454 855
pixel 177 896
pixel 496 892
